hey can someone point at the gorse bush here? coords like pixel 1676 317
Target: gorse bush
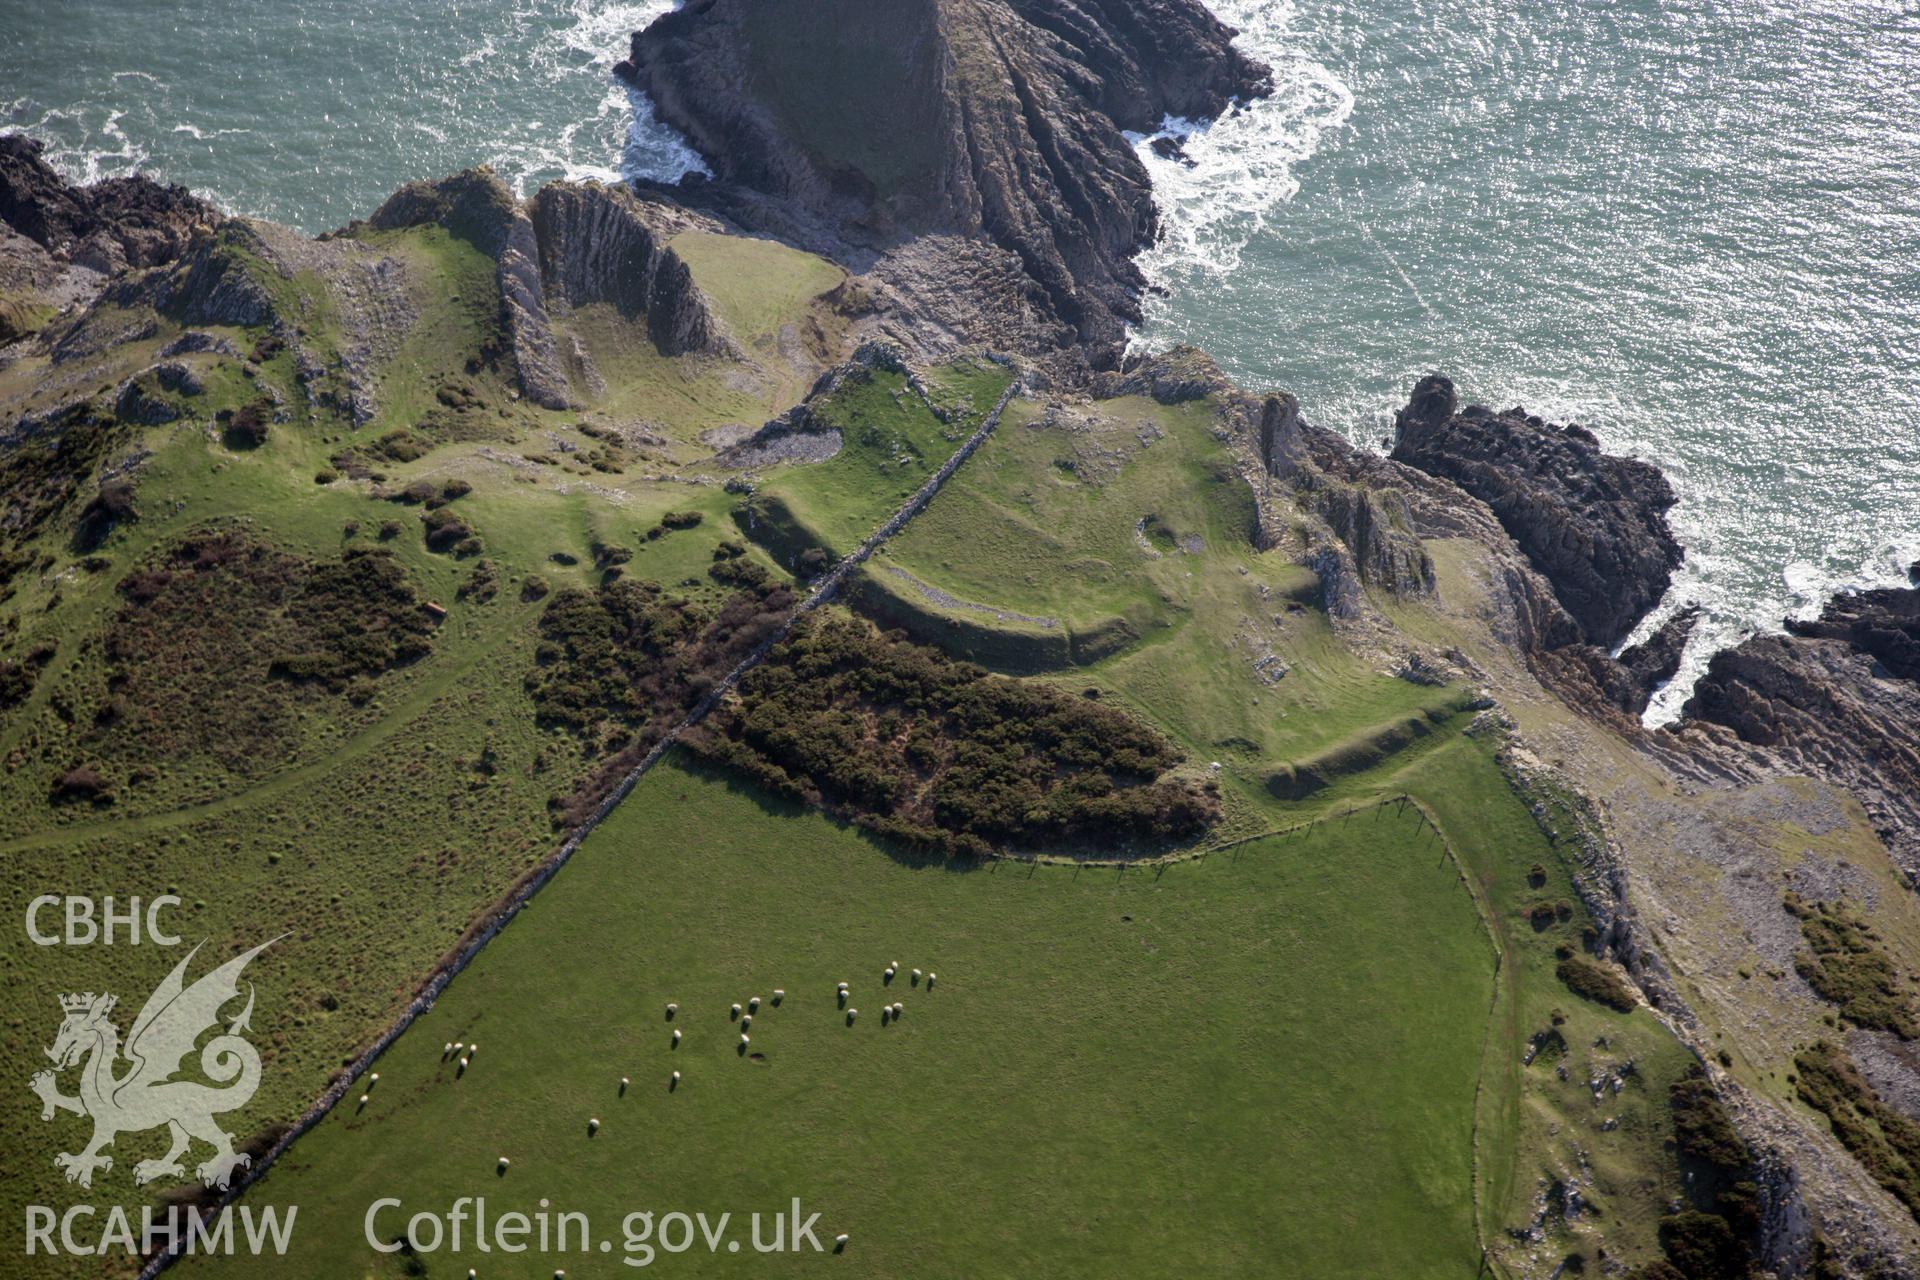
pixel 1594 981
pixel 909 743
pixel 1845 963
pixel 620 666
pixel 1885 1141
pixel 215 630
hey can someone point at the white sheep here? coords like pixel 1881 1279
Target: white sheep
pixel 899 1008
pixel 623 1084
pixel 753 1005
pixel 851 1015
pixel 504 1162
pixel 363 1099
pixel 745 1040
pixel 593 1124
pixel 373 1080
pixel 447 1052
pixel 676 1077
pixel 916 977
pixel 672 1009
pixel 886 977
pixel 472 1049
pixel 885 1013
pixel 462 1069
pixel 930 978
pixel 676 1037
pixel 779 994
pixel 735 1012
pixel 746 1021
pixel 840 1241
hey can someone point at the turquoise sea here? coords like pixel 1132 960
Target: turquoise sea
pixel 1693 226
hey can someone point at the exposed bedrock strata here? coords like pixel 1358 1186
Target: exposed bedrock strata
pixel 572 245
pixel 597 245
pixel 1838 698
pixel 121 222
pixel 1594 524
pixel 997 119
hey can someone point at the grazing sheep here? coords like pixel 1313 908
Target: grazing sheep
pixel 458 1045
pixel 462 1069
pixel 675 1079
pixel 916 977
pixel 753 1005
pixel 735 1012
pixel 843 997
pixel 623 1085
pixel 593 1125
pixel 885 1013
pixel 746 1021
pixel 504 1162
pixel 363 1099
pixel 840 1242
pixel 851 1015
pixel 472 1049
pixel 447 1052
pixel 899 1008
pixel 676 1037
pixel 373 1080
pixel 672 1009
pixel 930 978
pixel 778 995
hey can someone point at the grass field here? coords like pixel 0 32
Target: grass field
pixel 891 442
pixel 1114 1071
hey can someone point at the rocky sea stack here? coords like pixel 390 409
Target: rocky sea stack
pixel 994 120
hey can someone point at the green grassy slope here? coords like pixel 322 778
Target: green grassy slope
pixel 1114 1069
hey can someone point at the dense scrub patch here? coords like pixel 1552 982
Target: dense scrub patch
pixel 1588 978
pixel 909 743
pixel 1884 1141
pixel 1710 1240
pixel 214 630
pixel 618 667
pixel 1846 965
pixel 42 476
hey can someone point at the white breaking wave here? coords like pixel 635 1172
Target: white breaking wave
pixel 1234 172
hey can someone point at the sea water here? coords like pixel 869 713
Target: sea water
pixel 1692 226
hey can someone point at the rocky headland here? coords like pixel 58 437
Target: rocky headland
pixel 963 161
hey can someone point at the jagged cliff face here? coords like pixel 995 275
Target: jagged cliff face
pixel 1838 698
pixel 572 245
pixel 122 222
pixel 997 119
pixel 1594 524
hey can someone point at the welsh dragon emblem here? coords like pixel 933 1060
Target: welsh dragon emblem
pixel 146 1095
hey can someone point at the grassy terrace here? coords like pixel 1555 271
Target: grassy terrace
pixel 892 440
